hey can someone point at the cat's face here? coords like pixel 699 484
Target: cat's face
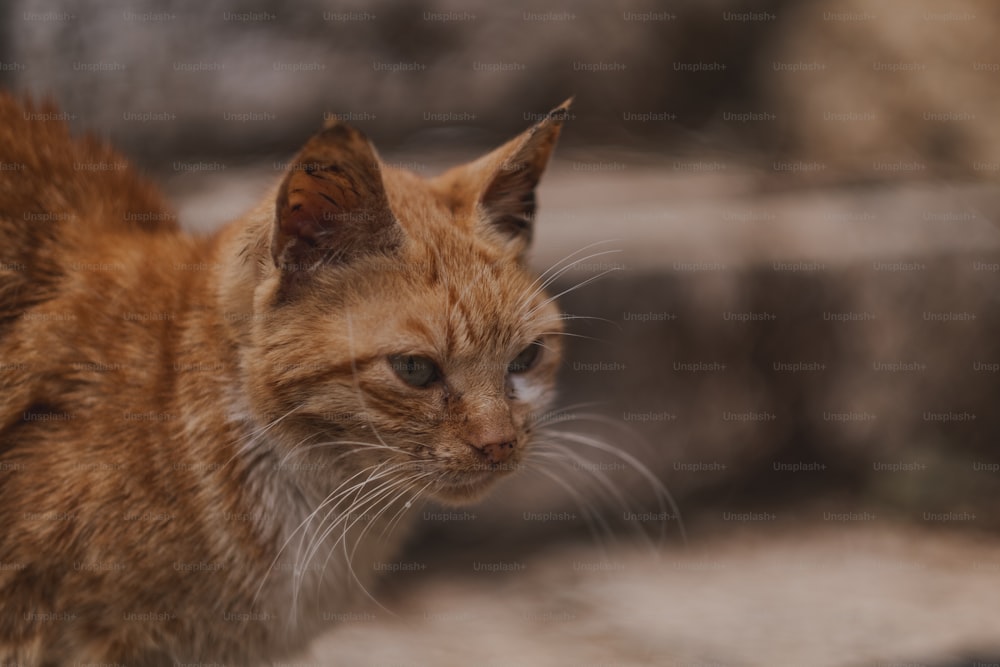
pixel 398 334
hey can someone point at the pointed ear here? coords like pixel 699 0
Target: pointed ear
pixel 499 188
pixel 331 206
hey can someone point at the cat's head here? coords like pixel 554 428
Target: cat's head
pixel 396 327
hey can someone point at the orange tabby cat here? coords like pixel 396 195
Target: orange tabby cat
pixel 205 443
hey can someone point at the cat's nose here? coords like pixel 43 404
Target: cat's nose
pixel 496 452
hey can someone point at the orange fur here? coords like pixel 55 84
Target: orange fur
pixel 173 409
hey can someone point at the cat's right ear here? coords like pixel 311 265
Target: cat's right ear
pixel 332 206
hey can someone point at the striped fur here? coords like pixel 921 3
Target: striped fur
pixel 193 428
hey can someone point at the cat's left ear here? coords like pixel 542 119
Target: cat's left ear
pixel 498 190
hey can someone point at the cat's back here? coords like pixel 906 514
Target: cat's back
pixel 87 278
pixel 62 197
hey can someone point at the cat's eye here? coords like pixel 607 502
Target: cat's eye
pixel 525 359
pixel 414 370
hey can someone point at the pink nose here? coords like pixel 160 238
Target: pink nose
pixel 496 452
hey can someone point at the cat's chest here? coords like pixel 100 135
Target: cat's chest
pixel 320 548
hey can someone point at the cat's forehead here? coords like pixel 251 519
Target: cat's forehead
pixel 414 202
pixel 451 266
pixel 450 292
pixel 441 236
pixel 474 319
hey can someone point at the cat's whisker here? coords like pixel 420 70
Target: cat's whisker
pixel 301 525
pixel 295 447
pixel 575 263
pixel 546 347
pixel 598 478
pixel 563 414
pixel 358 502
pixel 546 278
pixel 565 258
pixel 263 429
pixel 349 557
pixel 590 514
pixel 397 517
pixel 664 498
pixel 307 542
pixel 582 283
pixel 356 447
pixel 356 512
pixel 555 451
pixel 594 520
pixel 248 441
pixel 410 484
pixel 537 289
pixel 337 498
pixel 363 494
pixel 572 335
pixel 565 317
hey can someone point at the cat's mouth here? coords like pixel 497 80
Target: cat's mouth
pixel 469 486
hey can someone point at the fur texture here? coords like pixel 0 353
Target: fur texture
pixel 206 443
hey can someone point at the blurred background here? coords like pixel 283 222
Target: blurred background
pixel 795 207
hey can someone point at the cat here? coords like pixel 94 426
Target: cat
pixel 208 445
